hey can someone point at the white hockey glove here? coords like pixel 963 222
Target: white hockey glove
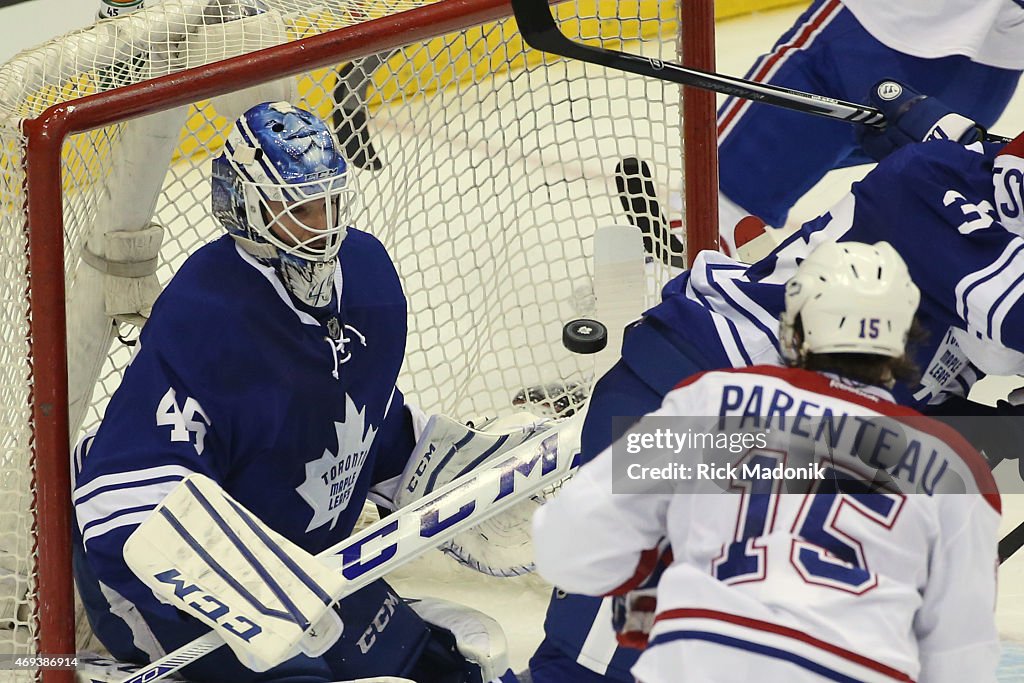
pixel 448 449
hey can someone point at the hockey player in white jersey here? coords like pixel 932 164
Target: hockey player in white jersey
pixel 268 365
pixel 853 575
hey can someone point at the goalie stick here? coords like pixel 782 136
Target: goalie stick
pixel 540 31
pixel 402 537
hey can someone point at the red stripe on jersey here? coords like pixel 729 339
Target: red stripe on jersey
pixel 769 627
pixel 802 39
pixel 644 568
pixel 822 384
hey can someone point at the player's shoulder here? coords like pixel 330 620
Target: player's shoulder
pixel 360 248
pixel 212 284
pixel 369 274
pixel 798 379
pixel 736 387
pixel 935 160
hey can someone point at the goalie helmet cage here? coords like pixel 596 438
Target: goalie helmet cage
pixel 494 255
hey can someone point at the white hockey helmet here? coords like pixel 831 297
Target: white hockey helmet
pixel 850 298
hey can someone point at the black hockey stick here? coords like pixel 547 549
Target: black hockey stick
pixel 540 31
pixel 1011 543
pixel 635 183
pixel 350 116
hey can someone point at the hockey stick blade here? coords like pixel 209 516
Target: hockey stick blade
pixel 635 184
pixel 410 532
pixel 540 31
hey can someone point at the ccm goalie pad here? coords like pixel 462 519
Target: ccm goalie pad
pixel 447 449
pixel 205 554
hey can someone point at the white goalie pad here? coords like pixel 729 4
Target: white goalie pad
pixel 128 262
pixel 205 554
pixel 230 29
pixel 500 546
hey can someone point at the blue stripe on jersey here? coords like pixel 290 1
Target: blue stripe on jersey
pixel 115 515
pixel 768 651
pixel 733 330
pixel 995 305
pixel 135 483
pixel 737 306
pixel 965 295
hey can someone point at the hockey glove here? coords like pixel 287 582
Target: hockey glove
pixel 633 613
pixel 912 117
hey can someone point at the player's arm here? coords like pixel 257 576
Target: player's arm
pixel 954 626
pixel 593 540
pixel 403 424
pixel 158 429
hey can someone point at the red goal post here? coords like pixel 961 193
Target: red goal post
pixel 38 168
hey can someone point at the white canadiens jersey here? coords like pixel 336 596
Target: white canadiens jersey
pixel 987 31
pixel 824 583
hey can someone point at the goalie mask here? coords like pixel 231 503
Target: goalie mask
pixel 849 298
pixel 282 190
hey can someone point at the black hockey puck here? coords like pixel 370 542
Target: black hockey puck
pixel 584 336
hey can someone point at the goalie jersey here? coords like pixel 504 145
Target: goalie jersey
pixel 835 578
pixel 295 415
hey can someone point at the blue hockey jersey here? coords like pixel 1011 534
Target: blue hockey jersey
pixel 936 204
pixel 294 412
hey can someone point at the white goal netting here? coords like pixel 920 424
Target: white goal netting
pixel 489 171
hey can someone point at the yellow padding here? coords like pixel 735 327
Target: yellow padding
pixel 475 54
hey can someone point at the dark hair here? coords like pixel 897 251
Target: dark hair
pixel 868 368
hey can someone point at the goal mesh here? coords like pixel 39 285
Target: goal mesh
pixel 496 166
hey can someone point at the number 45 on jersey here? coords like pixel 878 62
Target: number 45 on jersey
pixel 186 421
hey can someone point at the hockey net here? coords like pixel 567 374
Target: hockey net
pixel 495 168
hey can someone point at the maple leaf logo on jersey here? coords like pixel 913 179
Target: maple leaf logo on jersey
pixel 331 478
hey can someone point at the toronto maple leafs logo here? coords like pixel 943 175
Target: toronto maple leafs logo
pixel 331 478
pixel 295 142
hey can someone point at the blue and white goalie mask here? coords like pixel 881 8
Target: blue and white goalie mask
pixel 283 191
